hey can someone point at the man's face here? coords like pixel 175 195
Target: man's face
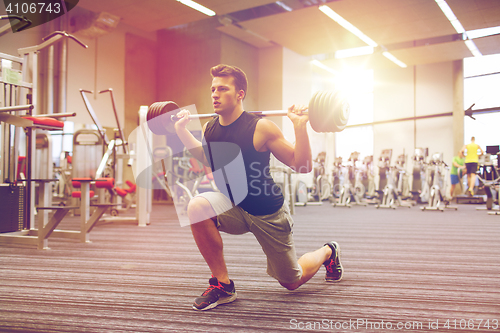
pixel 225 98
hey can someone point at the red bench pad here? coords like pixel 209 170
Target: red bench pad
pixel 47 121
pixel 121 192
pixel 78 194
pixel 75 182
pixel 107 183
pixel 131 186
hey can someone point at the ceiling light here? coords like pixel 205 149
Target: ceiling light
pixel 446 10
pixel 344 23
pixel 285 7
pixel 394 59
pixel 458 27
pixel 473 48
pixel 320 65
pixel 358 51
pixel 483 32
pixel 198 7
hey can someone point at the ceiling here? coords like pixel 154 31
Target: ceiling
pixel 414 31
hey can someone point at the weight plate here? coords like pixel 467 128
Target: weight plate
pixel 158 117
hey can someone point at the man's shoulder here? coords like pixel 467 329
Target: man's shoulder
pixel 266 126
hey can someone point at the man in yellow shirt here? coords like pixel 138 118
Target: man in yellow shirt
pixel 471 160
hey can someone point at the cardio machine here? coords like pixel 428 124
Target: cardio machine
pixel 321 189
pixel 349 194
pixel 438 174
pixel 489 178
pixel 388 196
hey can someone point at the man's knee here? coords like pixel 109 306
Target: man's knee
pixel 291 286
pixel 199 209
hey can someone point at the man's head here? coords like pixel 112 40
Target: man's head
pixel 473 139
pixel 239 77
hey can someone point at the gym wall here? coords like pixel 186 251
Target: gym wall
pixel 109 63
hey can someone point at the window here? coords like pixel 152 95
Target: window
pixel 482 87
pixel 358 87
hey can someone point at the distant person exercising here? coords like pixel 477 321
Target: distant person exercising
pixel 457 166
pixel 471 160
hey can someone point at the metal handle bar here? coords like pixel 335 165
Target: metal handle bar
pixel 55 115
pixel 49 40
pixel 16 108
pixel 110 90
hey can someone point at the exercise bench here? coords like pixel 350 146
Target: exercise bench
pixel 88 221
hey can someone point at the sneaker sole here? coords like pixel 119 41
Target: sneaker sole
pixel 224 300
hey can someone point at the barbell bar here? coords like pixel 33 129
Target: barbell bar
pixel 328 112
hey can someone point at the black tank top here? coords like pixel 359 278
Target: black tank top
pixel 264 195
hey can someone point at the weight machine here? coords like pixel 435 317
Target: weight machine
pixel 19 108
pixel 111 165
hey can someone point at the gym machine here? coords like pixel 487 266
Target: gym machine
pixel 283 178
pixel 321 189
pixel 351 195
pixel 301 195
pixel 19 106
pixel 385 181
pixel 111 166
pixel 337 178
pixel 479 197
pixel 418 186
pixel 388 175
pixel 438 176
pixel 489 177
pixel 368 180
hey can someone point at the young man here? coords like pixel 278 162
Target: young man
pixel 263 211
pixel 471 160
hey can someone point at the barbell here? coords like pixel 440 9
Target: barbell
pixel 328 112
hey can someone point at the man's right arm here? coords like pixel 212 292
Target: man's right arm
pixel 194 146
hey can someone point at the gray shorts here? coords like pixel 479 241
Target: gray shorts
pixel 273 232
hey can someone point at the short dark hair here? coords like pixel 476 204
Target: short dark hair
pixel 240 78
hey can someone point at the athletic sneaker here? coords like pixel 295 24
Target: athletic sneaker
pixel 334 269
pixel 217 293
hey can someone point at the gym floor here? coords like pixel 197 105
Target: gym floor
pixel 402 267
